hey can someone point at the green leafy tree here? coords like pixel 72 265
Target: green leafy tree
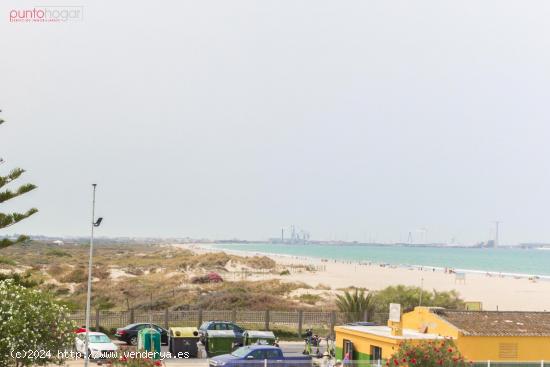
pixel 355 304
pixel 9 219
pixel 410 297
pixel 24 280
pixel 433 353
pixel 31 320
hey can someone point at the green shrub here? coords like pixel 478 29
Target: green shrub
pixel 75 276
pixel 57 270
pixel 310 299
pixel 260 262
pixel 24 280
pixel 6 261
pixel 285 272
pixel 409 298
pixel 62 291
pixel 57 252
pixel 27 324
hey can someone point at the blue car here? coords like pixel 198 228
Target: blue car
pixel 260 356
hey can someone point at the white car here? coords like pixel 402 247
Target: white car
pixel 100 346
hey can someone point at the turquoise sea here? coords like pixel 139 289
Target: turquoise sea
pixel 503 260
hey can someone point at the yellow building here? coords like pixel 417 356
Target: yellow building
pixel 479 335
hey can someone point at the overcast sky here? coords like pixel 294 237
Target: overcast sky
pixel 354 120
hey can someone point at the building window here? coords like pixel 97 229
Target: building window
pixel 508 350
pixel 375 353
pixel 348 350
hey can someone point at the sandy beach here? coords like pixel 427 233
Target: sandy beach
pixel 495 292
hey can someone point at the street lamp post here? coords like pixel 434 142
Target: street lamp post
pixel 89 294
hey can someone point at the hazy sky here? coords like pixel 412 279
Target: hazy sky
pixel 351 119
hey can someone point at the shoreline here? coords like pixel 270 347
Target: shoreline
pixel 496 292
pixel 404 266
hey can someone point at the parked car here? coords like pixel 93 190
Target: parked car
pixel 99 345
pixel 129 333
pixel 258 355
pixel 220 325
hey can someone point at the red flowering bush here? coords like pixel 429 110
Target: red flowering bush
pixel 135 362
pixel 433 353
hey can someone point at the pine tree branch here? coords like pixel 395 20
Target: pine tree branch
pixel 4 242
pixel 8 194
pixel 13 175
pixel 7 220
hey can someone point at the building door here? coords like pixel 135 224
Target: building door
pixel 375 353
pixel 348 350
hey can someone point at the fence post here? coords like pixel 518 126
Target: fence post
pixel 300 322
pixel 266 319
pixel 166 319
pixel 332 322
pixel 234 316
pixel 200 318
pixel 97 319
pixel 132 318
pixel 366 315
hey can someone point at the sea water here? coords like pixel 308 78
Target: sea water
pixel 494 260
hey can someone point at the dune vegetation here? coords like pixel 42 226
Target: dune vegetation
pixel 128 276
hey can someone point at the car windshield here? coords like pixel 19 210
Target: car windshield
pixel 99 339
pixel 241 352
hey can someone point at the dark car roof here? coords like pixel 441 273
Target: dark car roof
pixel 131 326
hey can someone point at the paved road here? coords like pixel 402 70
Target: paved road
pixel 287 347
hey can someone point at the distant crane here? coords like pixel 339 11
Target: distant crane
pixel 495 244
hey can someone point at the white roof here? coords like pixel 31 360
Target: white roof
pixel 92 333
pixel 385 331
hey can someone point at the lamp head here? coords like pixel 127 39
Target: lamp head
pixel 98 222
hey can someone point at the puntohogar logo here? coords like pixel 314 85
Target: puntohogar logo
pixel 47 14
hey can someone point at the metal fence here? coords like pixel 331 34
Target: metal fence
pixel 293 321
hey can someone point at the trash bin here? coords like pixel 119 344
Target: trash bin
pixel 183 340
pixel 220 342
pixel 258 337
pixel 149 341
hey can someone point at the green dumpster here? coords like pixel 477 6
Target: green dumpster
pixel 258 337
pixel 149 341
pixel 220 342
pixel 182 342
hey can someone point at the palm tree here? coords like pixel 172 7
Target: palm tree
pixel 355 305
